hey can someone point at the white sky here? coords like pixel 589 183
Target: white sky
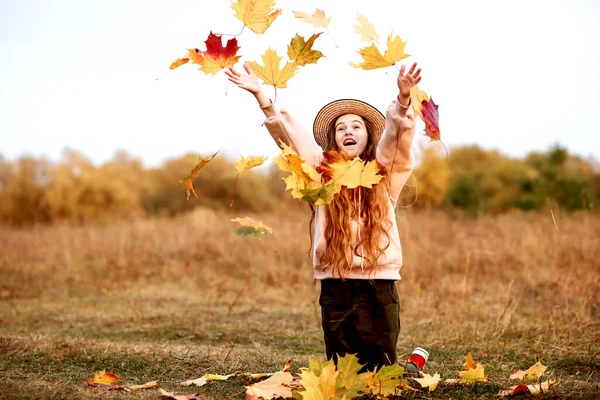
pixel 512 75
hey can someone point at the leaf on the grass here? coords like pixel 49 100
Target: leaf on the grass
pixel 245 163
pixel 179 62
pixel 319 387
pixel 365 30
pixel 248 226
pixel 429 113
pixel 388 381
pixel 173 396
pixel 416 98
pixel 428 381
pixel 512 390
pixel 194 382
pixel 531 374
pixel 272 387
pixel 287 367
pixel 257 15
pixel 473 372
pixel 216 57
pixel 270 72
pixel 318 19
pixel 348 381
pixel 147 385
pixel 301 51
pixel 534 389
pixel 103 378
pixel 187 182
pixel 373 59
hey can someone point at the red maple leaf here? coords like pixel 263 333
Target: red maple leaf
pixel 216 57
pixel 430 114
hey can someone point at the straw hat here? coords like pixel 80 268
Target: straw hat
pixel 332 111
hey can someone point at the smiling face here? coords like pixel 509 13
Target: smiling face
pixel 351 134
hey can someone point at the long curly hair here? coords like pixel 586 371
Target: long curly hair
pixel 369 207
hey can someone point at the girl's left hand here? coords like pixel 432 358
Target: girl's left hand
pixel 407 81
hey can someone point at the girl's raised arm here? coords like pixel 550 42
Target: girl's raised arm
pixel 280 124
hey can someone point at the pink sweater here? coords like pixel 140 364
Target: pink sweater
pixel 399 132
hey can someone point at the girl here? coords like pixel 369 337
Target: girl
pixel 356 245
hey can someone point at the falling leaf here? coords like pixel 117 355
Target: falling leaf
pixel 416 98
pixel 173 396
pixel 473 372
pixel 428 381
pixel 257 15
pixel 388 380
pixel 354 173
pixel 245 163
pixel 301 51
pixel 273 387
pixel 271 73
pixel 316 194
pixel 179 62
pixel 248 226
pixel 187 182
pixel 216 57
pixel 531 374
pixel 365 30
pixel 429 113
pixel 103 378
pixel 147 385
pixel 318 19
pixel 319 387
pixel 373 59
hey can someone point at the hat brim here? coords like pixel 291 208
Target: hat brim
pixel 327 116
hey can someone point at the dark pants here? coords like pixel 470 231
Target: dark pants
pixel 361 317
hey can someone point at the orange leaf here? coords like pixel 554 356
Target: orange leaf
pixel 318 19
pixel 373 59
pixel 416 98
pixel 216 57
pixel 187 183
pixel 429 112
pixel 469 362
pixel 103 378
pixel 179 62
pixel 257 15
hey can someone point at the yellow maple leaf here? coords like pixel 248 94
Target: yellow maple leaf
pixel 429 382
pixel 416 98
pixel 354 173
pixel 301 52
pixel 187 182
pixel 321 387
pixel 365 30
pixel 248 226
pixel 471 375
pixel 318 19
pixel 530 374
pixel 373 59
pixel 257 15
pixel 179 62
pixel 245 163
pixel 103 378
pixel 271 73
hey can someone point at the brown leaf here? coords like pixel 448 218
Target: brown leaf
pixel 187 183
pixel 103 378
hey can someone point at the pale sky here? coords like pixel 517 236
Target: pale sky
pixel 510 75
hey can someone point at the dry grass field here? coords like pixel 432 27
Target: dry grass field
pixel 173 299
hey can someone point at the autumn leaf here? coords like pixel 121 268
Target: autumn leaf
pixel 534 389
pixel 365 30
pixel 248 226
pixel 531 374
pixel 430 116
pixel 103 378
pixel 388 381
pixel 318 19
pixel 316 194
pixel 272 387
pixel 349 382
pixel 373 59
pixel 428 382
pixel 216 57
pixel 179 62
pixel 473 372
pixel 354 173
pixel 513 390
pixel 301 52
pixel 270 72
pixel 187 182
pixel 319 387
pixel 257 15
pixel 147 385
pixel 416 98
pixel 205 378
pixel 244 164
pixel 173 396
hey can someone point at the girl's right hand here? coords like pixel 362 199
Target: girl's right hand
pixel 247 81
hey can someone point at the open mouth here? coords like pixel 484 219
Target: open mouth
pixel 349 142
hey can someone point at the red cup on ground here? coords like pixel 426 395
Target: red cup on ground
pixel 419 357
